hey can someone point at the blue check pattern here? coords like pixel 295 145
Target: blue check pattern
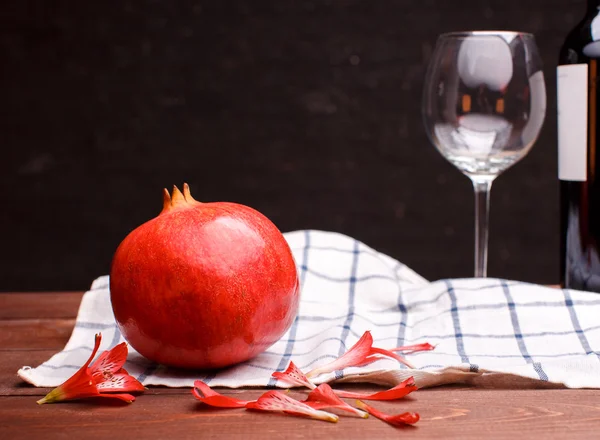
pixel 484 329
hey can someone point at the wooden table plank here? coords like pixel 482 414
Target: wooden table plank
pixel 11 361
pixel 445 413
pixel 35 333
pixel 39 305
pixel 37 320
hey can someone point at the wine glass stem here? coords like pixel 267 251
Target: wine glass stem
pixel 482 186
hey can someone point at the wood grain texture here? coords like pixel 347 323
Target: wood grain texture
pixel 11 361
pixel 35 333
pixel 39 305
pixel 445 413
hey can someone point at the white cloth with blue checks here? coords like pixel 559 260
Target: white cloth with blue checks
pixel 486 331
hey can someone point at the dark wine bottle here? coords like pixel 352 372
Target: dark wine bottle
pixel 578 102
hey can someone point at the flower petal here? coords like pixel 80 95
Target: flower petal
pixel 121 396
pixel 110 361
pixel 207 395
pixel 408 349
pixel 369 360
pixel 80 385
pixel 354 356
pixel 407 418
pixel 120 381
pixel 279 402
pixel 324 397
pixel 381 351
pixel 294 376
pixel 399 391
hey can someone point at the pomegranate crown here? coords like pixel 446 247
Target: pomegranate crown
pixel 178 199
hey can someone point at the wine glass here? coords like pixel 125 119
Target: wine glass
pixel 484 104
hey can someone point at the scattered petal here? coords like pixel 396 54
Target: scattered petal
pixel 409 349
pixel 403 419
pixel 354 356
pixel 392 355
pixel 279 402
pixel 205 389
pixel 360 354
pixel 398 392
pixel 324 397
pixel 293 376
pixel 370 359
pixel 207 395
pixel 121 396
pixel 119 382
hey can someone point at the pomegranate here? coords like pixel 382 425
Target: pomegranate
pixel 203 285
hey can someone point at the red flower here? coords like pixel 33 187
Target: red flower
pixel 279 402
pixel 398 392
pixel 208 396
pixel 106 375
pixel 359 354
pixel 403 419
pixel 324 397
pixel 294 376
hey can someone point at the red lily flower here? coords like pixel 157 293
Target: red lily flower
pixel 207 395
pixel 324 397
pixel 398 392
pixel 279 402
pixel 294 376
pixel 403 419
pixel 104 376
pixel 108 372
pixel 359 354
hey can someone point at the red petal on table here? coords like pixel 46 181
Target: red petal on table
pixel 207 395
pixel 120 381
pixel 392 355
pixel 408 349
pixel 80 385
pixel 324 397
pixel 403 419
pixel 294 376
pixel 120 396
pixel 398 392
pixel 205 389
pixel 110 361
pixel 354 356
pixel 279 402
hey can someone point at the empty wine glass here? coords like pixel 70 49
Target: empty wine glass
pixel 484 104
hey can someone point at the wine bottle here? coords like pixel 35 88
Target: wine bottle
pixel 578 102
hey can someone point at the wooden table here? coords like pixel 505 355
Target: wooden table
pixel 33 326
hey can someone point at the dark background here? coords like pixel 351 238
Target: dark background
pixel 308 111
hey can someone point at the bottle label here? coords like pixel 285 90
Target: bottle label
pixel 572 104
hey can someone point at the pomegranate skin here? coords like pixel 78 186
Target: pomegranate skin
pixel 204 285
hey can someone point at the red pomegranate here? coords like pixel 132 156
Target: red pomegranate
pixel 203 285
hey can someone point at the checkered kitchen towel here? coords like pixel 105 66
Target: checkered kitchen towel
pixel 486 331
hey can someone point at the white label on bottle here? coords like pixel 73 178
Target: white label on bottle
pixel 572 103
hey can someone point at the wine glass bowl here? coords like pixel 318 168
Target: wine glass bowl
pixel 484 104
